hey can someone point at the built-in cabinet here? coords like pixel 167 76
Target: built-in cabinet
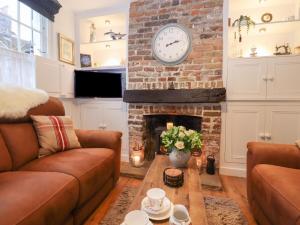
pixel 263 92
pixel 55 77
pixel 264 78
pixel 263 104
pixel 272 122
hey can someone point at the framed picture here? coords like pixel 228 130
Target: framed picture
pixel 65 49
pixel 85 60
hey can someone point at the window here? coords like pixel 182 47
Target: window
pixel 22 29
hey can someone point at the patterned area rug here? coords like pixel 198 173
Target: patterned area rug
pixel 220 211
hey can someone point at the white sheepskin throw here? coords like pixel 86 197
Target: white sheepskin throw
pixel 16 101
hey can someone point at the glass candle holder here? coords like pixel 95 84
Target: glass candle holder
pixel 137 156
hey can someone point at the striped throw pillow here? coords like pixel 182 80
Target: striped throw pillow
pixel 55 134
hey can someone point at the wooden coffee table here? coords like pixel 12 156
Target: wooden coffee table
pixel 189 194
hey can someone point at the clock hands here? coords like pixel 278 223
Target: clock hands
pixel 174 42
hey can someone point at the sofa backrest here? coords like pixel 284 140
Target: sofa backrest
pixel 19 140
pixel 5 159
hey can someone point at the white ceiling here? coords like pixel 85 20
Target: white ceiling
pixel 82 5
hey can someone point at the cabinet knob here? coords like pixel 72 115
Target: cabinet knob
pixel 262 136
pixel 265 78
pixel 271 79
pixel 102 126
pixel 268 136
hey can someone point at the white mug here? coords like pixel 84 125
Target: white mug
pixel 136 217
pixel 156 198
pixel 180 216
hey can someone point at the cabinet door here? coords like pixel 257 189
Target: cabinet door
pixel 67 81
pixel 284 78
pixel 244 123
pixel 246 79
pixel 114 117
pixel 48 75
pixel 91 117
pixel 283 124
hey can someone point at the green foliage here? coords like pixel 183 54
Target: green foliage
pixel 181 139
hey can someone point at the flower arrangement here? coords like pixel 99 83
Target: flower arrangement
pixel 181 139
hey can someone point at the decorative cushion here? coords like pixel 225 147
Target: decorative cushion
pixel 55 134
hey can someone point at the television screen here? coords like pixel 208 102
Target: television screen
pixel 90 84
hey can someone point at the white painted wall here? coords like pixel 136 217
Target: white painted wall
pixel 65 24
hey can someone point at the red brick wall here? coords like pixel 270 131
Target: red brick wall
pixel 202 69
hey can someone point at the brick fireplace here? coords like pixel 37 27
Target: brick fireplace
pixel 202 69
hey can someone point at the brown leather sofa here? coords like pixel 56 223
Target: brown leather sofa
pixel 61 189
pixel 273 183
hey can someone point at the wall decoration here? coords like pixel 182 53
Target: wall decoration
pixel 85 60
pixel 267 17
pixel 283 50
pixel 240 22
pixel 65 49
pixel 114 35
pixel 172 44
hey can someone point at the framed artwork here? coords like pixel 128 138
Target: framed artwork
pixel 65 49
pixel 85 60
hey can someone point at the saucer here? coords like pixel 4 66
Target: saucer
pixel 150 223
pixel 163 214
pixel 165 206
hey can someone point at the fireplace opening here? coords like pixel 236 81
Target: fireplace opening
pixel 156 124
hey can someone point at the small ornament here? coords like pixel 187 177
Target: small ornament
pixel 92 33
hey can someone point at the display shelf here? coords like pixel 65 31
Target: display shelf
pixel 103 42
pixel 276 27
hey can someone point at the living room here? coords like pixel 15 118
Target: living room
pixel 140 112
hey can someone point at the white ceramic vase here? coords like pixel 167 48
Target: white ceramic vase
pixel 179 159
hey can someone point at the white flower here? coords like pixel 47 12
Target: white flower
pixel 189 132
pixel 179 145
pixel 163 134
pixel 182 128
pixel 181 135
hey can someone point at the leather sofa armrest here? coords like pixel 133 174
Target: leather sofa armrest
pixel 103 139
pixel 274 154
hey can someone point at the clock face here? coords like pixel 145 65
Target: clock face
pixel 172 44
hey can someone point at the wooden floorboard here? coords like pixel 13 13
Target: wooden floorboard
pixel 234 188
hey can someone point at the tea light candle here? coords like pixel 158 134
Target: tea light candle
pixel 136 160
pixel 170 125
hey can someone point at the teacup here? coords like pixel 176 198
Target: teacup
pixel 156 198
pixel 180 216
pixel 136 217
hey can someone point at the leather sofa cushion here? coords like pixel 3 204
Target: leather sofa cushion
pixel 92 167
pixel 276 190
pixel 36 198
pixel 5 160
pixel 21 141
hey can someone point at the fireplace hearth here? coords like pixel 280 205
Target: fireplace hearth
pixel 156 124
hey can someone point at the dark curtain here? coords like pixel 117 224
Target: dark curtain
pixel 47 8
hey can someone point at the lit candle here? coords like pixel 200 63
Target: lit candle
pixel 136 160
pixel 170 125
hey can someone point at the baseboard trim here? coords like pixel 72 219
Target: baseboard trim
pixel 235 172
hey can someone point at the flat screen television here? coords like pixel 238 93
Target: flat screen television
pixel 98 84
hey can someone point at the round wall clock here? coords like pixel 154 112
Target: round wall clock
pixel 172 44
pixel 267 17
